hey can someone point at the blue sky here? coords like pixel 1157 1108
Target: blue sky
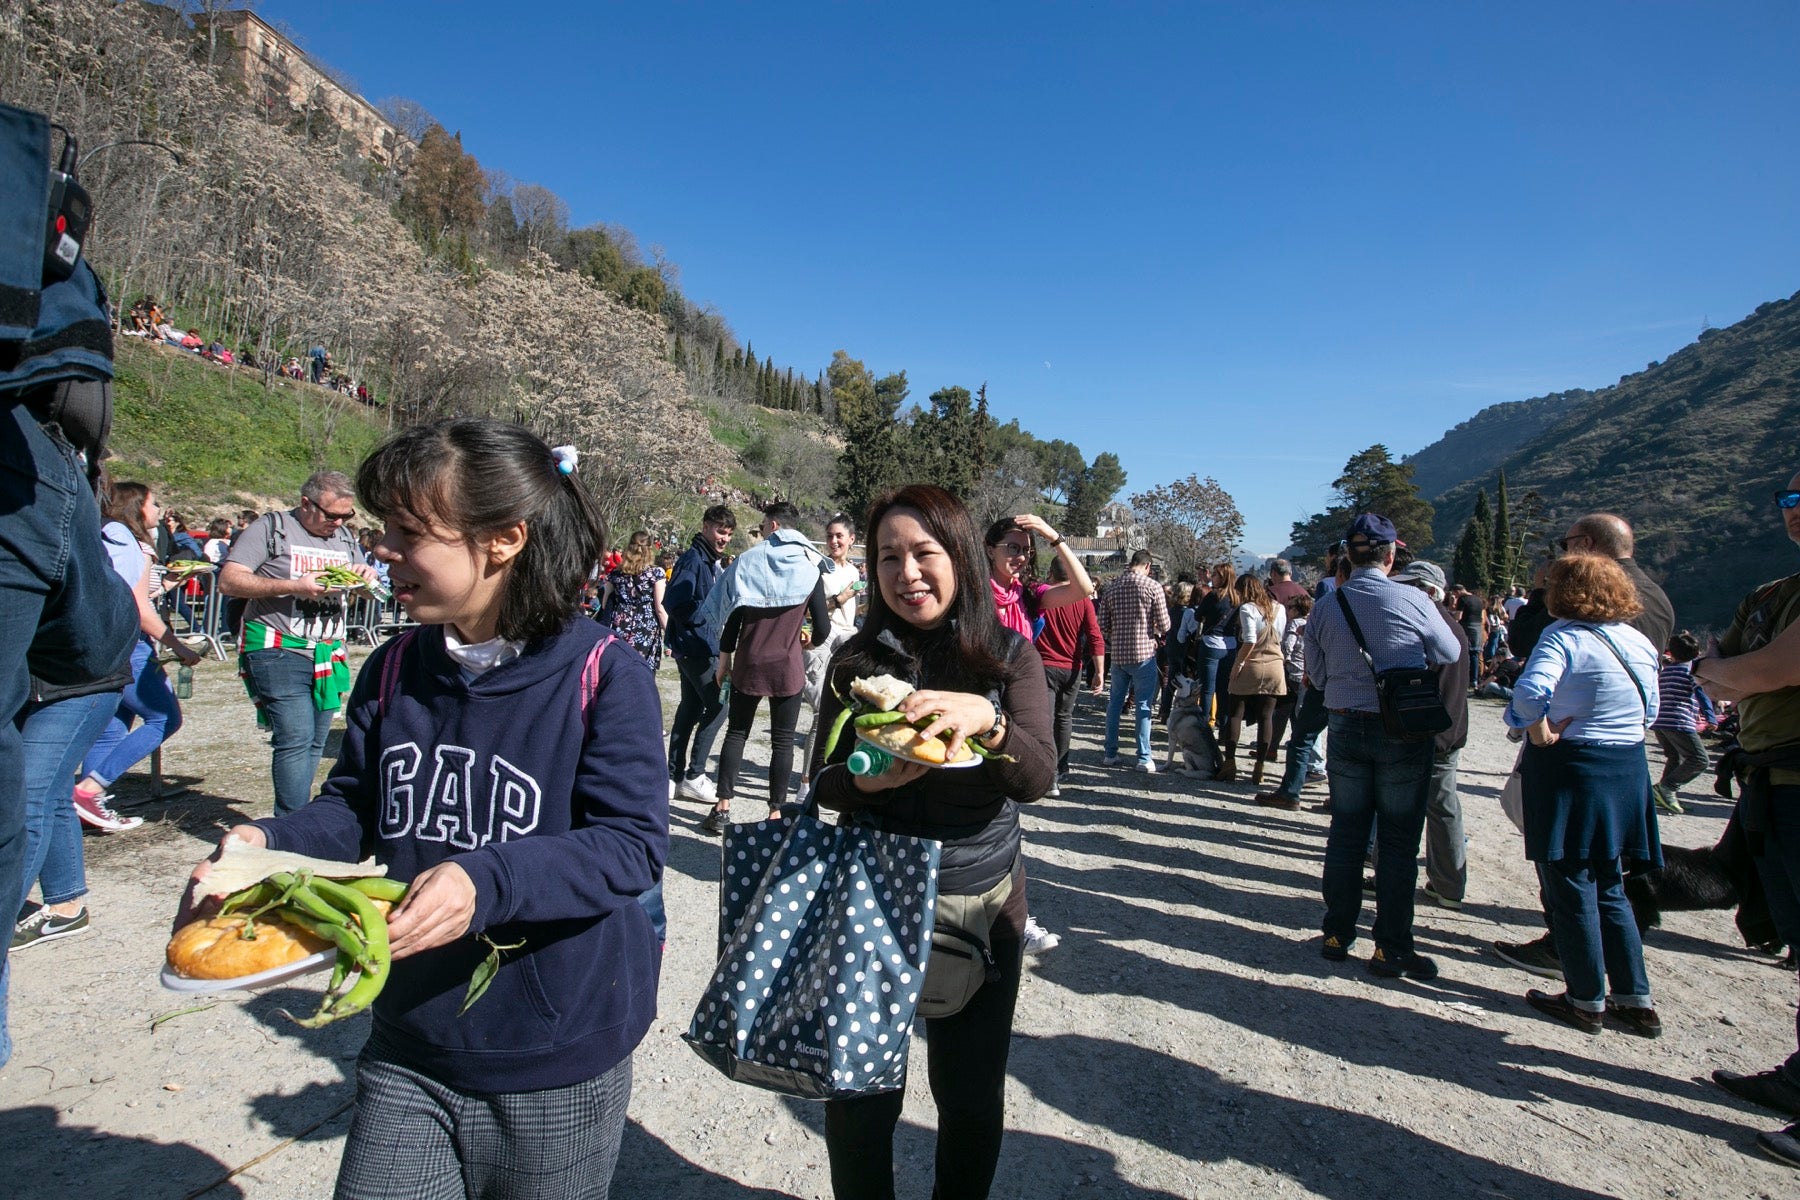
pixel 1244 240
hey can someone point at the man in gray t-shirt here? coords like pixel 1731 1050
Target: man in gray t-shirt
pixel 293 623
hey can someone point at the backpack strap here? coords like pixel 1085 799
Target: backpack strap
pixel 390 669
pixel 590 676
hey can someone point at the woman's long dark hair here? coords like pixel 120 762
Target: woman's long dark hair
pixel 124 503
pixel 476 476
pixel 964 652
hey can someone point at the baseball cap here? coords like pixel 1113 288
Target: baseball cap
pixel 1372 527
pixel 1420 571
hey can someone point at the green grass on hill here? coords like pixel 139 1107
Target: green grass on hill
pixel 211 437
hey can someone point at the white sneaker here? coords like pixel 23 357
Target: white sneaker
pixel 1146 766
pixel 698 788
pixel 1039 940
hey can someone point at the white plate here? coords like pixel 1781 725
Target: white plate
pixel 293 970
pixel 973 760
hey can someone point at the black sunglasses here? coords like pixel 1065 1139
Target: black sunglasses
pixel 331 516
pixel 1787 499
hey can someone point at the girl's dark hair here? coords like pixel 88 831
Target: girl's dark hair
pixel 843 519
pixel 996 533
pixel 1683 647
pixel 475 476
pixel 124 503
pixel 967 650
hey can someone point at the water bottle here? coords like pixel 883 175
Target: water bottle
pixel 868 760
pixel 184 683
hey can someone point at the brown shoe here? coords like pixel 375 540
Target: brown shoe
pixel 1228 772
pixel 1277 800
pixel 1558 1006
pixel 1643 1022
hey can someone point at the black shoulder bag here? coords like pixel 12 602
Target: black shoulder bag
pixel 1412 708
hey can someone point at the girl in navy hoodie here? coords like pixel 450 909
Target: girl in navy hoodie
pixel 516 779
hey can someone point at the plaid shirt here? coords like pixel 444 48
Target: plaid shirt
pixel 1133 614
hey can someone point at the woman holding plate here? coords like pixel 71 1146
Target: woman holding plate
pixel 931 622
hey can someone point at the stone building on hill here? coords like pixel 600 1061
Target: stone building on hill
pixel 287 86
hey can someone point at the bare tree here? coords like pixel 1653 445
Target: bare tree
pixel 543 216
pixel 408 116
pixel 1189 523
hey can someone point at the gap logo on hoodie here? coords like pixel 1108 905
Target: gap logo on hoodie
pixel 458 805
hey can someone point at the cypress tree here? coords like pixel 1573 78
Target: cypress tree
pixel 1505 559
pixel 1475 551
pixel 718 361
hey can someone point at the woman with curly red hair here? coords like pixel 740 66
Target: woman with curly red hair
pixel 1583 699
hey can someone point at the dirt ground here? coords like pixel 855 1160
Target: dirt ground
pixel 1185 1040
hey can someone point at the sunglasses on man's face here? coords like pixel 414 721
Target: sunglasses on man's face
pixel 1787 499
pixel 329 515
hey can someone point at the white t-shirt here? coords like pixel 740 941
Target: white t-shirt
pixel 843 616
pixel 1512 605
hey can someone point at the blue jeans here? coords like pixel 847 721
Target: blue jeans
pixel 297 729
pixel 55 579
pixel 147 699
pixel 56 738
pixel 1372 774
pixel 1141 679
pixel 1596 935
pixel 1215 665
pixel 1303 743
pixel 698 716
pixel 1779 867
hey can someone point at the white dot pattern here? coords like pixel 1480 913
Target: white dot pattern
pixel 823 932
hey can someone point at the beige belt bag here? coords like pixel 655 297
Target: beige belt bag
pixel 962 957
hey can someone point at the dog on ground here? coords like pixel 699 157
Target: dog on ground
pixel 1711 877
pixel 1190 735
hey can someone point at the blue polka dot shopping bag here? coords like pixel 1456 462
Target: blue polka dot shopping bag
pixel 823 935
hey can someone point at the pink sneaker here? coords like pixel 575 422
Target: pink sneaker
pixel 94 810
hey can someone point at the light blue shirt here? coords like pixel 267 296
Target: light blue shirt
pixel 1401 625
pixel 1571 673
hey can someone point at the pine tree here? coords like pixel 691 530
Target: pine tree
pixel 718 362
pixel 679 357
pixel 1475 551
pixel 1503 567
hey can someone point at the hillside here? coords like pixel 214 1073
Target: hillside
pixel 1688 450
pixel 1480 444
pixel 212 439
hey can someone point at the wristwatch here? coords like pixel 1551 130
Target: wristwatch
pixel 999 720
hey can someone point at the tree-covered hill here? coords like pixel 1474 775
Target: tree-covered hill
pixel 1689 450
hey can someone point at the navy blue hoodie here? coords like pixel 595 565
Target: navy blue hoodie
pixel 560 827
pixel 692 580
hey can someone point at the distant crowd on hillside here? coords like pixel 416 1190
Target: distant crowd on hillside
pixel 149 320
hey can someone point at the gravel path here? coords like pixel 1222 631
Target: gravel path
pixel 1186 1039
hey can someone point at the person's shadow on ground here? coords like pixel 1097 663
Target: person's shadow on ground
pixel 55 1159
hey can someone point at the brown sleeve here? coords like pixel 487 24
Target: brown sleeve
pixel 1025 697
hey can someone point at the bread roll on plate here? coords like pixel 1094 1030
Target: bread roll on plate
pixel 903 741
pixel 216 948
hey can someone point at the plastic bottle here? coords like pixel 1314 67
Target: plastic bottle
pixel 867 760
pixel 184 683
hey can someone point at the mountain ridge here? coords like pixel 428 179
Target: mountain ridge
pixel 1689 450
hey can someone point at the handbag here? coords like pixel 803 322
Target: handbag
pixel 1512 793
pixel 1412 707
pixel 824 933
pixel 962 958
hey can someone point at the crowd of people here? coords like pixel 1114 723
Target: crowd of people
pixel 528 635
pixel 150 321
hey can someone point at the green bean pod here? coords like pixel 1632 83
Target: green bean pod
pixel 375 936
pixel 876 720
pixel 837 728
pixel 378 887
pixel 255 894
pixel 342 936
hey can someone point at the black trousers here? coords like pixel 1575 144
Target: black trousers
pixel 966 1054
pixel 1065 687
pixel 784 715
